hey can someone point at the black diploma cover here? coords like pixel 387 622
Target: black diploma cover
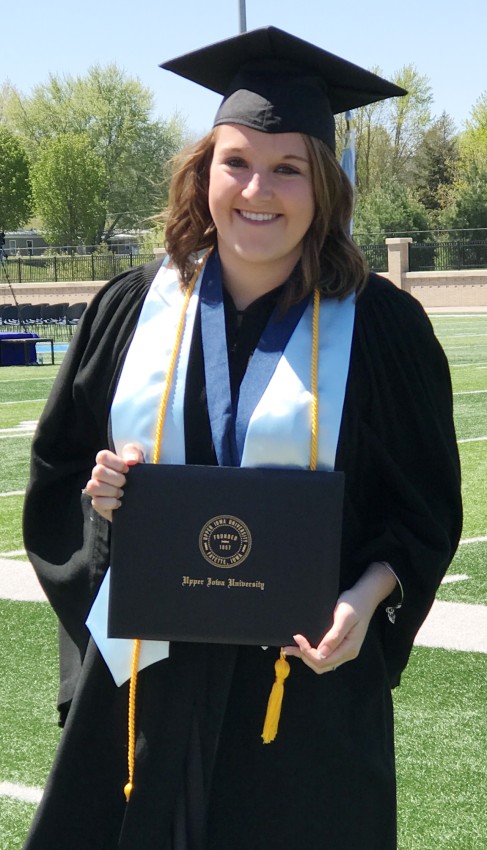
pixel 225 554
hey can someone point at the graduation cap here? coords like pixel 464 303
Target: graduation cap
pixel 276 83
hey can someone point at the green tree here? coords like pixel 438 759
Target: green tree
pixel 467 207
pixel 69 185
pixel 435 163
pixel 389 208
pixel 409 116
pixel 15 185
pixel 114 112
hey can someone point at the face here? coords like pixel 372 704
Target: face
pixel 261 199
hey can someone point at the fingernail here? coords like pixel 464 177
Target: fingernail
pixel 322 656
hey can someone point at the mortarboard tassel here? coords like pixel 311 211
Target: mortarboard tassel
pixel 271 722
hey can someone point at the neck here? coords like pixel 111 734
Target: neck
pixel 245 283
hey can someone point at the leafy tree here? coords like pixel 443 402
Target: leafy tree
pixel 389 208
pixel 409 115
pixel 69 184
pixel 468 196
pixel 114 112
pixel 15 186
pixel 434 163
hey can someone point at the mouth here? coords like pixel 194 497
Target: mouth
pixel 254 216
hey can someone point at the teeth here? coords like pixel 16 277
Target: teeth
pixel 257 216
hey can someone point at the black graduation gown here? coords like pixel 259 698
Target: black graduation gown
pixel 328 779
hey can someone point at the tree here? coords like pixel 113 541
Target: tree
pixel 15 186
pixel 434 163
pixel 69 184
pixel 409 116
pixel 114 112
pixel 468 196
pixel 389 208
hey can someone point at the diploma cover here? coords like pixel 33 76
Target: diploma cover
pixel 232 555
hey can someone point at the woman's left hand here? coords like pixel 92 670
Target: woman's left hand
pixel 351 618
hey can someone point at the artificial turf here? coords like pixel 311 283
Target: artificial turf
pixel 441 722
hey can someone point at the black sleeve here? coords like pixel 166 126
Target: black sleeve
pixel 403 474
pixel 66 541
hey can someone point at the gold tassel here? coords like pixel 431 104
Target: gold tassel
pixel 271 722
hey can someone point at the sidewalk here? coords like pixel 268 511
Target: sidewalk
pixel 450 625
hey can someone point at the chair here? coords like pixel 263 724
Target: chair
pixel 54 317
pixel 29 316
pixel 74 313
pixel 10 317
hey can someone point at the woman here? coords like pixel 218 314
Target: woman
pixel 264 192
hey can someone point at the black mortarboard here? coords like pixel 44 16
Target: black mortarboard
pixel 277 83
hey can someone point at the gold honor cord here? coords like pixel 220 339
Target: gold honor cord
pixel 282 668
pixel 282 665
pixel 155 459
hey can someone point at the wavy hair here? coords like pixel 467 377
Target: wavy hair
pixel 330 259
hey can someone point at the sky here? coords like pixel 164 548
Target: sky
pixel 446 42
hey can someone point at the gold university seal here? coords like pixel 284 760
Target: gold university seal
pixel 225 541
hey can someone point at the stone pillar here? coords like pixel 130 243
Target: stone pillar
pixel 398 259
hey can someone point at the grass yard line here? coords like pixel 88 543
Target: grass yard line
pixel 19 429
pixel 472 440
pixel 473 540
pixel 18 434
pixel 469 392
pixel 16 380
pixel 472 365
pixel 454 578
pixel 13 493
pixel 22 401
pixel 12 554
pixel 462 335
pixel 25 793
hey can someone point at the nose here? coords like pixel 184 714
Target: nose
pixel 258 186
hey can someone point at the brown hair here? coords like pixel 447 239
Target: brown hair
pixel 330 258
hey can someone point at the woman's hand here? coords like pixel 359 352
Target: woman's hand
pixel 351 618
pixel 108 478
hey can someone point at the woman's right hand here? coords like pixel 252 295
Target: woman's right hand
pixel 108 478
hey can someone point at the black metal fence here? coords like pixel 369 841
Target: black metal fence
pixel 445 256
pixel 423 256
pixel 376 256
pixel 51 269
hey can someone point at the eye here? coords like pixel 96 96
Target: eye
pixel 287 169
pixel 235 162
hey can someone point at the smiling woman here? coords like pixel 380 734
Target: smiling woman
pixel 261 201
pixel 261 343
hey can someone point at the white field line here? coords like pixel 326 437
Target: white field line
pixel 473 540
pixel 20 433
pixel 13 493
pixel 24 793
pixel 18 429
pixel 16 380
pixel 459 336
pixel 22 401
pixel 472 440
pixel 466 365
pixel 454 578
pixel 13 554
pixel 469 392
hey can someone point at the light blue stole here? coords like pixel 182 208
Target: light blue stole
pixel 278 430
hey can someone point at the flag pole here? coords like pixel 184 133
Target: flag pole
pixel 243 16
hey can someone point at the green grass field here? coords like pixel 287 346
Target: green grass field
pixel 441 718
